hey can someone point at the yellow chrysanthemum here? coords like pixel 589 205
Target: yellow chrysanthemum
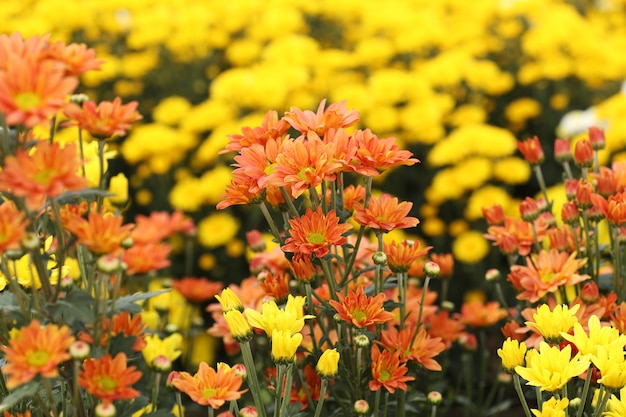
pixel 512 354
pixel 217 229
pixel 616 406
pixel 327 364
pixel 170 347
pixel 239 327
pixel 284 345
pixel 229 300
pixel 511 170
pixel 610 361
pixel 552 408
pixel 470 247
pixel 598 335
pixel 273 318
pixel 550 368
pixel 552 323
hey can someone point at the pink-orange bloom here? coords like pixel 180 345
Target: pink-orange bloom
pixel 105 119
pixel 147 257
pixel 516 236
pixel 160 225
pixel 375 155
pixel 12 226
pixel 545 273
pixel 197 290
pixel 387 371
pixel 360 310
pixel 101 232
pixel 334 117
pixel 209 386
pixel 76 57
pixel 480 314
pixel 48 170
pixel 32 91
pixel 614 209
pixel 35 350
pixel 271 128
pixel 400 256
pixel 315 232
pixel 421 348
pixel 385 213
pixel 109 378
pixel 14 45
pixel 531 150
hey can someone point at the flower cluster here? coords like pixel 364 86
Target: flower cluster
pixel 566 336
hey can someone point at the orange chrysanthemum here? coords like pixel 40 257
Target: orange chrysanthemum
pixel 160 225
pixel 385 213
pixel 109 379
pixel 148 257
pixel 209 386
pixel 104 120
pixel 479 314
pixel 516 236
pixel 400 256
pixel 334 117
pixel 14 45
pixel 102 232
pixel 442 326
pixel 303 268
pixel 314 232
pixel 76 57
pixel 275 285
pixel 445 262
pixel 12 226
pixel 360 310
pixel 388 371
pixel 375 155
pixel 545 273
pixel 303 163
pixel 122 324
pixel 271 128
pixel 36 350
pixel 47 170
pixel 614 209
pixel 33 90
pixel 197 290
pixel 238 192
pixel 421 348
pixel 26 414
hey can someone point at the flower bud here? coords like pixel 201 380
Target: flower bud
pixel 361 341
pixel 66 282
pixel 79 98
pixel 240 370
pixel 161 364
pixel 169 382
pixel 434 398
pixel 583 154
pixel 447 305
pixel 531 150
pixel 583 195
pixel 492 274
pixel 504 377
pixel 255 240
pixel 597 138
pixel 118 188
pixel 562 150
pixel 606 184
pixel 127 243
pixel 379 258
pixel 14 254
pixel 590 292
pixel 361 407
pixel 229 300
pixel 575 403
pixel 248 411
pixel 105 410
pixel 238 325
pixel 79 350
pixel 432 269
pixel 569 213
pixel 327 364
pixel 494 215
pixel 109 263
pixel 529 209
pixel 571 186
pixel 31 241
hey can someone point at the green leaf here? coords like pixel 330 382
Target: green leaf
pixel 75 307
pixel 129 304
pixel 20 393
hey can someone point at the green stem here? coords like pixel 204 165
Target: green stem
pixel 155 391
pixel 253 381
pixel 287 396
pixel 585 392
pixel 320 403
pixel 542 182
pixel 179 404
pixel 605 395
pixel 520 394
pixel 330 279
pixel 270 222
pixel 377 402
pixel 290 207
pixel 280 377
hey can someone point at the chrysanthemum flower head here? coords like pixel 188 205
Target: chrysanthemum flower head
pixel 109 378
pixel 273 318
pixel 170 347
pixel 552 323
pixel 360 310
pixel 612 366
pixel 315 232
pixel 284 345
pixel 552 408
pixel 209 386
pixel 327 364
pixel 512 354
pixel 616 406
pixel 549 368
pixel 105 119
pixel 387 371
pixel 35 350
pixel 385 213
pixel 597 335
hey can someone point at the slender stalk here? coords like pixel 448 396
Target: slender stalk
pixel 330 279
pixel 433 411
pixel 320 403
pixel 270 222
pixel 179 404
pixel 518 388
pixel 253 381
pixel 81 148
pixel 541 181
pixel 377 403
pixel 605 395
pixel 280 378
pixel 287 396
pixel 155 390
pixel 290 207
pixel 211 411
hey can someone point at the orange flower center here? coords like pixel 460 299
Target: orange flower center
pixel 27 101
pixel 107 383
pixel 385 375
pixel 209 392
pixel 315 238
pixel 39 358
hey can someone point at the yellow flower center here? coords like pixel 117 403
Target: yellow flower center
pixel 39 358
pixel 303 173
pixel 385 375
pixel 358 315
pixel 27 101
pixel 209 392
pixel 315 238
pixel 107 383
pixel 43 176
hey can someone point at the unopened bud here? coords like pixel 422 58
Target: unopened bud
pixel 30 241
pixel 109 263
pixel 162 364
pixel 79 98
pixel 431 269
pixel 492 274
pixel 434 398
pixel 79 350
pixel 14 254
pixel 379 258
pixel 169 382
pixel 575 403
pixel 127 243
pixel 248 411
pixel 590 292
pixel 362 341
pixel 105 410
pixel 240 370
pixel 255 241
pixel 447 305
pixel 67 282
pixel 361 407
